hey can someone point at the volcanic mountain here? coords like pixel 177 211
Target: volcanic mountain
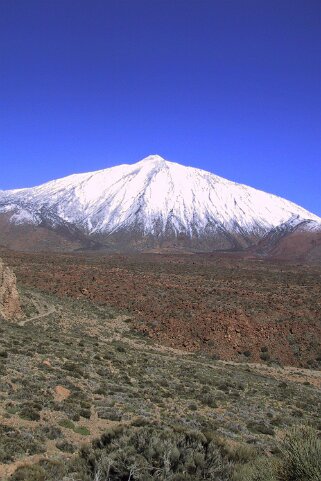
pixel 153 203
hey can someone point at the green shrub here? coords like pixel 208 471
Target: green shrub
pixel 299 460
pixel 15 443
pixel 262 469
pixel 29 473
pixel 85 413
pixel 208 400
pixel 66 423
pixel 241 453
pixel 82 430
pixel 51 432
pixel 301 452
pixel 29 413
pixel 45 470
pixel 155 452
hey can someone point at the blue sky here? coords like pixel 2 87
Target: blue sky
pixel 230 86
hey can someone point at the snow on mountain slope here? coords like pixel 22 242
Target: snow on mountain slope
pixel 152 196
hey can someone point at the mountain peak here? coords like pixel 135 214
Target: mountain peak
pixel 153 159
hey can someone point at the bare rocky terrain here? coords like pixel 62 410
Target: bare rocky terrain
pixel 228 306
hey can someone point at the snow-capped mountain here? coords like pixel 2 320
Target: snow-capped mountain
pixel 155 199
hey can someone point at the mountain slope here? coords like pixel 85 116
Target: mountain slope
pixel 153 202
pixel 297 240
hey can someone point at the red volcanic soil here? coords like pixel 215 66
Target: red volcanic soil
pixel 233 308
pixel 300 246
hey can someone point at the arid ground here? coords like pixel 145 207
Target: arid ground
pixel 127 343
pixel 230 307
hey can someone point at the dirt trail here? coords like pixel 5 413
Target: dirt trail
pixel 286 373
pixel 42 311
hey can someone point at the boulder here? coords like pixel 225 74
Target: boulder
pixel 9 298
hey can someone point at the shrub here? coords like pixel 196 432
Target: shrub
pixel 260 427
pixel 241 453
pixel 109 413
pixel 51 432
pixel 45 470
pixel 262 469
pixel 209 400
pixel 15 443
pixel 66 423
pixel 29 473
pixel 82 430
pixel 65 446
pixel 28 412
pixel 85 413
pixel 299 460
pixel 155 452
pixel 301 451
pixel 264 354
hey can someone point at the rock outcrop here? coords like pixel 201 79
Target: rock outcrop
pixel 9 297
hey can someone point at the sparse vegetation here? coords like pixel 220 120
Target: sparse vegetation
pixel 239 306
pixel 299 459
pixel 79 381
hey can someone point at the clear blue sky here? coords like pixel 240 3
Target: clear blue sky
pixel 231 86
